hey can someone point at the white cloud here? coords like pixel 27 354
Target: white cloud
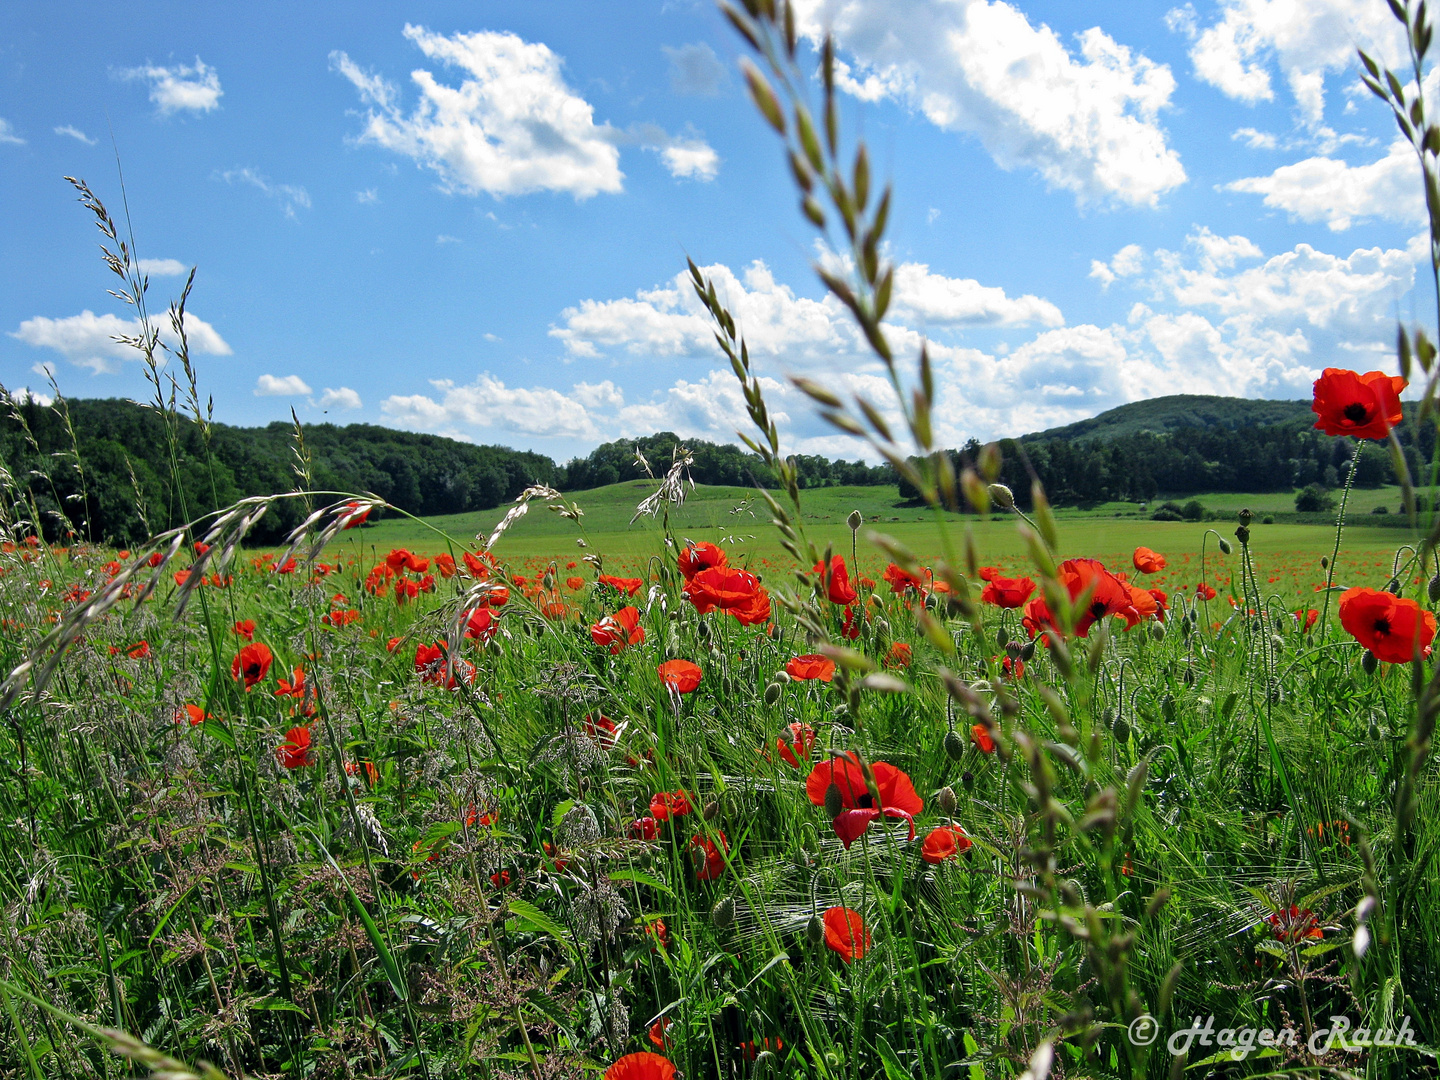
pixel 695 69
pixel 163 267
pixel 180 88
pixel 280 386
pixel 1220 252
pixel 1304 40
pixel 488 403
pixel 289 196
pixel 7 134
pixel 25 394
pixel 88 339
pixel 511 126
pixel 340 398
pixel 446 238
pixel 1088 123
pixel 691 159
pixel 369 195
pixel 1254 139
pixel 76 133
pixel 1337 193
pixel 938 300
pixel 1126 262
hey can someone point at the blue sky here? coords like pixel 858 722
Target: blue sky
pixel 469 218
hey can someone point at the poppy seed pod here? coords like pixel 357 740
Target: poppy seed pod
pixel 772 693
pixel 1324 562
pixel 1015 650
pixel 1245 516
pixel 946 801
pixel 1002 496
pixel 814 930
pixel 954 746
pixel 834 801
pixel 1225 546
pixel 723 913
pixel 855 520
pixel 1369 662
pixel 1243 535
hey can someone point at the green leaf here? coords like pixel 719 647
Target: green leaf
pixel 536 919
pixel 639 877
pixel 894 1068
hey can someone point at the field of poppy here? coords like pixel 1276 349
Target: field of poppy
pixel 770 792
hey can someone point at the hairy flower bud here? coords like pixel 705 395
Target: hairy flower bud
pixel 711 809
pixel 1225 546
pixel 954 745
pixel 834 801
pixel 815 930
pixel 967 780
pixel 772 693
pixel 723 913
pixel 1157 631
pixel 855 520
pixel 946 801
pixel 1434 588
pixel 1369 662
pixel 1121 730
pixel 1002 496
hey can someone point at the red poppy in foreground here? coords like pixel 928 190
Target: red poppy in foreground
pixel 619 630
pixel 837 580
pixel 1348 403
pixel 697 557
pixel 252 663
pixel 902 581
pixel 628 585
pixel 1307 619
pixel 858 807
pixel 294 752
pixel 737 591
pixel 642 1066
pixel 845 933
pixel 795 744
pixel 680 676
pixel 1147 561
pixel 1204 592
pixel 711 859
pixel 667 804
pixel 944 843
pixel 810 666
pixel 980 736
pixel 480 624
pixel 1006 592
pixel 1396 630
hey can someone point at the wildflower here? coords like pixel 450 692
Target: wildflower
pixel 899 655
pixel 601 729
pixel 657 1033
pixel 1147 561
pixel 252 663
pixel 1295 924
pixel 194 713
pixel 1396 630
pixel 1366 406
pixel 943 843
pixel 294 752
pixel 858 807
pixel 656 929
pixel 628 586
pixel 850 625
pixel 340 618
pixel 902 581
pixel 668 804
pixel 710 857
pixel 353 515
pixel 406 590
pixel 697 557
pixel 845 933
pixel 645 828
pixel 574 584
pixel 500 879
pixel 1204 592
pixel 1105 595
pixel 1006 592
pixel 445 563
pixel 372 774
pixel 480 624
pixel 641 1066
pixel 981 737
pixel 430 665
pixel 725 588
pixel 680 676
pixel 1307 619
pixel 139 651
pixel 478 565
pixel 810 666
pixel 797 747
pixel 397 558
pixel 619 631
pixel 836 580
pixel 775 1045
pixel 1162 602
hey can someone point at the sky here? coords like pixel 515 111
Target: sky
pixel 472 219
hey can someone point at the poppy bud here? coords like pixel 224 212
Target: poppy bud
pixel 1189 676
pixel 1015 650
pixel 834 801
pixel 1027 652
pixel 765 1062
pixel 967 780
pixel 703 630
pixel 723 913
pixel 1243 535
pixel 1157 631
pixel 954 746
pixel 1324 562
pixel 711 809
pixel 1002 496
pixel 782 677
pixel 1121 730
pixel 855 520
pixel 1369 662
pixel 1393 586
pixel 772 693
pixel 1434 588
pixel 1108 716
pixel 815 930
pixel 945 800
pixel 1373 732
pixel 1225 546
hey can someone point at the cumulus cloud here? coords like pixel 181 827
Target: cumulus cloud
pixel 1255 139
pixel 340 398
pixel 511 126
pixel 289 196
pixel 1339 194
pixel 181 88
pixel 90 340
pixel 163 267
pixel 1086 120
pixel 7 134
pixel 1301 40
pixel 75 133
pixel 280 386
pixel 1124 263
pixel 695 69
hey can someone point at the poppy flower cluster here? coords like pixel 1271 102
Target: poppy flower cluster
pixel 724 588
pixel 1104 595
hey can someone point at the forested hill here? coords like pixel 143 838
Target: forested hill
pixel 1176 411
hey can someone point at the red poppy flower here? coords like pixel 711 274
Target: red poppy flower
pixel 477 564
pixel 1006 592
pixel 1307 618
pixel 750 1050
pixel 627 585
pixel 1142 606
pixel 481 624
pixel 341 618
pixel 619 630
pixel 372 774
pixel 656 929
pixel 710 859
pixel 397 558
pixel 430 665
pixel 697 557
pixel 445 563
pixel 353 515
pixel 896 793
pixel 1295 924
pixel 415 564
pixel 837 581
pixel 1396 630
pixel 1162 601
pixel 845 933
pixel 657 1033
pixel 194 713
pixel 295 688
pixel 139 651
pixel 799 744
pixel 902 581
pixel 601 730
pixel 980 736
pixel 645 828
pixel 574 584
pixel 1204 592
pixel 1366 406
pixel 642 1066
pixel 722 587
pixel 500 879
pixel 1147 561
pixel 899 655
pixel 294 752
pixel 680 676
pixel 406 590
pixel 810 666
pixel 252 663
pixel 155 559
pixel 667 804
pixel 944 843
